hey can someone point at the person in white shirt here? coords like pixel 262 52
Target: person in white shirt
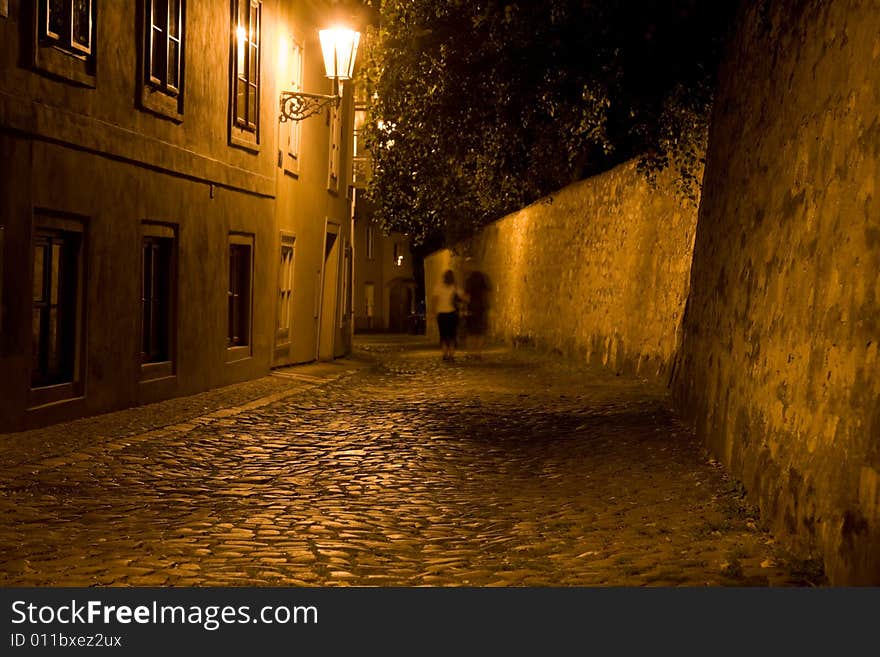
pixel 447 296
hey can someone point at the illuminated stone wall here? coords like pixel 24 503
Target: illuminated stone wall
pixel 780 368
pixel 599 271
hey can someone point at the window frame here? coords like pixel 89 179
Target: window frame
pixel 284 329
pixel 69 386
pixel 59 55
pixel 161 235
pixel 290 132
pixel 67 42
pixel 243 131
pixel 163 82
pixel 156 95
pixel 241 346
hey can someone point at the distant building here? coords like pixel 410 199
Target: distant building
pixel 161 232
pixel 385 290
pixel 384 286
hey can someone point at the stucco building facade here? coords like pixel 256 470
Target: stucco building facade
pixel 161 232
pixel 385 293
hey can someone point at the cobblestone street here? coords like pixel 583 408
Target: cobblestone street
pixel 390 467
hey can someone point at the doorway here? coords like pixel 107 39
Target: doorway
pixel 329 289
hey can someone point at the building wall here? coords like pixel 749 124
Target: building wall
pixel 85 147
pixel 598 270
pixel 780 370
pixel 307 204
pixel 383 272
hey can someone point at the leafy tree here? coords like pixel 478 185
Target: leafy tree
pixel 483 106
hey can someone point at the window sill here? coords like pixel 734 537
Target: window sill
pixel 161 104
pixel 64 66
pixel 160 370
pixel 244 139
pixel 47 395
pixel 236 354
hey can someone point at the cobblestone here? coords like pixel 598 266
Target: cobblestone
pixel 387 468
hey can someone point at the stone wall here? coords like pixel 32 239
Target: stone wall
pixel 598 271
pixel 779 368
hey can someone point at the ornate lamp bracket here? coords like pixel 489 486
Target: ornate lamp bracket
pixel 298 105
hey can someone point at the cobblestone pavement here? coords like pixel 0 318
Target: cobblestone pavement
pixel 387 468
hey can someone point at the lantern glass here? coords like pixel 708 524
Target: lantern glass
pixel 339 46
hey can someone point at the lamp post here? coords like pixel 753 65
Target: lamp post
pixel 339 47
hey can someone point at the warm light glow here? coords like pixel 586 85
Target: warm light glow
pixel 241 37
pixel 339 46
pixel 284 45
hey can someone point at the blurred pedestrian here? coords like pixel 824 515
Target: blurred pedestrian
pixel 476 289
pixel 447 298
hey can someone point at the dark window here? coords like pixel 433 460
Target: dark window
pixel 164 55
pixel 56 270
pixel 246 76
pixel 68 25
pixel 156 300
pixel 239 295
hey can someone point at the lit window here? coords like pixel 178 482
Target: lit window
pixel 246 65
pixel 296 71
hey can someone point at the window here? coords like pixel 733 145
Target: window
pixel 371 235
pixel 56 312
pixel 335 129
pixel 345 297
pixel 164 45
pixel 67 25
pixel 285 289
pixel 291 131
pixel 359 151
pixel 239 292
pixel 157 300
pixel 246 69
pixel 398 255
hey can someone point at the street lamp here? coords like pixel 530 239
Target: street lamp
pixel 339 46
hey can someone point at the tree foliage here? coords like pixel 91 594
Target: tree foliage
pixel 480 107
